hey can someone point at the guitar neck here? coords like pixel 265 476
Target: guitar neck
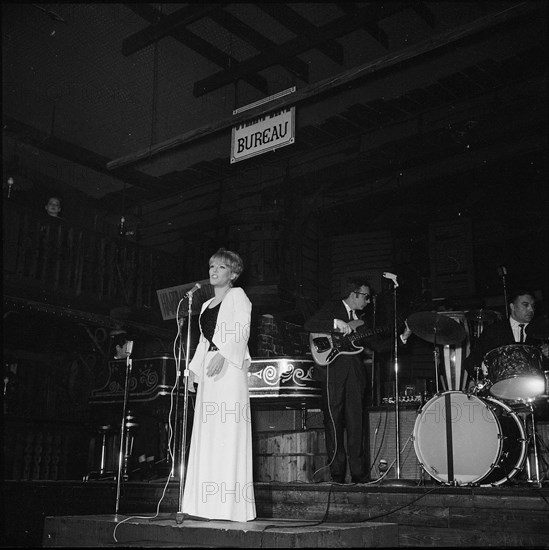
pixel 359 335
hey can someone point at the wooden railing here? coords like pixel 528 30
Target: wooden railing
pixel 58 257
pixel 39 450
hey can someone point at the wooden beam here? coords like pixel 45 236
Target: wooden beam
pixel 330 84
pixel 289 18
pixel 143 38
pixel 257 40
pixel 372 28
pixel 341 26
pixel 424 12
pixel 199 45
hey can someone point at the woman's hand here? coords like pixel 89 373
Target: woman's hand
pixel 215 365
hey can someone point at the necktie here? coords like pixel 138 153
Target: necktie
pixel 351 317
pixel 521 325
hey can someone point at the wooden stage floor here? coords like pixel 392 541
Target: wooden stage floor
pixel 394 513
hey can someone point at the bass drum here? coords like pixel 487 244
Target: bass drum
pixel 462 439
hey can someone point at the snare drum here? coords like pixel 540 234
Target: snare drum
pixel 463 439
pixel 515 372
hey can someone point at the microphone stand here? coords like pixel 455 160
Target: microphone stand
pixel 176 413
pixel 502 272
pixel 122 458
pixel 436 358
pixel 395 354
pixel 182 467
pixel 398 481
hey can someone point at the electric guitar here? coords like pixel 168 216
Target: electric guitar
pixel 325 347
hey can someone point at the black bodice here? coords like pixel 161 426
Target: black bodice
pixel 208 320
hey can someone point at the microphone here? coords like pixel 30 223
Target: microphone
pixel 502 270
pixel 391 276
pixel 129 349
pixel 193 290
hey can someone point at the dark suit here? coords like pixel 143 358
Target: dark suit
pixel 493 336
pixel 344 383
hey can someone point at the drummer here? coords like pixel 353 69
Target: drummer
pixel 522 307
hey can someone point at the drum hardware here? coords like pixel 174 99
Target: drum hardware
pixel 533 445
pixel 480 387
pixel 481 317
pixel 437 329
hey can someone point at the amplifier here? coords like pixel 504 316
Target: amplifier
pixel 383 442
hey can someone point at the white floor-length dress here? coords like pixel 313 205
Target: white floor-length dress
pixel 219 478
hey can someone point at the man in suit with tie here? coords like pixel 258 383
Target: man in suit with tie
pixel 344 383
pixel 522 307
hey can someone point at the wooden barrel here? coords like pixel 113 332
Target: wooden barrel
pixel 290 456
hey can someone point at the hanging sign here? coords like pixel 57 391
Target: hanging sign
pixel 264 133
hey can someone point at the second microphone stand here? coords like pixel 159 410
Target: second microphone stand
pixel 122 456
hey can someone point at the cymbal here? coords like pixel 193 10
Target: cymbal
pixel 538 327
pixel 436 328
pixel 482 315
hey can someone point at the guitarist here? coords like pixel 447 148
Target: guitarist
pixel 344 382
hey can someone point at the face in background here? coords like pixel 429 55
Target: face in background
pixel 53 207
pixel 523 308
pixel 360 298
pixel 122 351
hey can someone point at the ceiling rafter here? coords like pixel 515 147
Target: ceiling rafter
pixel 257 40
pixel 290 19
pixel 339 27
pixel 372 28
pixel 151 34
pixel 424 12
pixel 199 45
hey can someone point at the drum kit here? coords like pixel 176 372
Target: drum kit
pixel 482 436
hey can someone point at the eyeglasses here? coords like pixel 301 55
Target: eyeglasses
pixel 366 295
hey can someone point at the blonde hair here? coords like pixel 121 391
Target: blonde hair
pixel 230 258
